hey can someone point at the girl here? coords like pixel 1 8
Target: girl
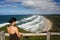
pixel 13 30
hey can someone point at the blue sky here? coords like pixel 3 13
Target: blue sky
pixel 17 7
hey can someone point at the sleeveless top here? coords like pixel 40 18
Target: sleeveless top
pixel 13 37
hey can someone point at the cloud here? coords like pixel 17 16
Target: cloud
pixel 39 5
pixel 45 5
pixel 12 0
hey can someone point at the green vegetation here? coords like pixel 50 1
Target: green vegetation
pixel 24 31
pixel 32 38
pixel 20 29
pixel 55 28
pixel 55 37
pixel 56 23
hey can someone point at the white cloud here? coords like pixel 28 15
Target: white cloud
pixel 28 3
pixel 12 0
pixel 44 5
pixel 1 6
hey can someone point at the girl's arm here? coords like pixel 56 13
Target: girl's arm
pixel 17 32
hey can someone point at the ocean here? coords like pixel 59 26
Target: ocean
pixel 5 18
pixel 32 23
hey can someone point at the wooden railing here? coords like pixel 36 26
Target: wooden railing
pixel 2 34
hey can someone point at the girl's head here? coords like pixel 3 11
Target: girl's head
pixel 12 20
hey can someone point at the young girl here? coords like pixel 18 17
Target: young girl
pixel 13 30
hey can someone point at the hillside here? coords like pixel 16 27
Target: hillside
pixel 56 22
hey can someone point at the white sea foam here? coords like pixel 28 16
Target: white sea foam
pixel 29 18
pixel 37 24
pixel 3 24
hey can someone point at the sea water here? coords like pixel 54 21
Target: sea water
pixel 31 23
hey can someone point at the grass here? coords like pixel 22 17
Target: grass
pixel 56 23
pixel 31 38
pixel 54 37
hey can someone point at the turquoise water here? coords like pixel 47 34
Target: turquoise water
pixel 5 18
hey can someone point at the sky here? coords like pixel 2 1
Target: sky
pixel 17 7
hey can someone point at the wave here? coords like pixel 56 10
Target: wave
pixel 37 25
pixel 29 18
pixel 3 24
